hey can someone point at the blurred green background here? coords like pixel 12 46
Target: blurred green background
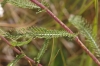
pixel 60 51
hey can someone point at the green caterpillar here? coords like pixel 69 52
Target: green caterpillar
pixel 33 32
pixel 38 32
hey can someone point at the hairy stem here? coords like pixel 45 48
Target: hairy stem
pixel 19 52
pixel 67 29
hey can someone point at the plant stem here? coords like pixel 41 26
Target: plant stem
pixel 67 29
pixel 19 52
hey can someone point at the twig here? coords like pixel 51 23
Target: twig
pixel 16 50
pixel 67 29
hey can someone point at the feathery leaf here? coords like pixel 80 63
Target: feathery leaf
pixel 85 30
pixel 39 32
pixel 23 3
pixel 33 32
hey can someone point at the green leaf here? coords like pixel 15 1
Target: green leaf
pixel 42 51
pixel 37 32
pixel 86 30
pixel 18 57
pixel 17 43
pixel 23 3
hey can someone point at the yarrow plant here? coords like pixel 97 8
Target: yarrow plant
pixel 38 32
pixel 28 34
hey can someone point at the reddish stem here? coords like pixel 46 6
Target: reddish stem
pixel 67 29
pixel 16 50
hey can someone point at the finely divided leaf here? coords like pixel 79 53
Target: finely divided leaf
pixel 81 24
pixel 27 34
pixel 23 3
